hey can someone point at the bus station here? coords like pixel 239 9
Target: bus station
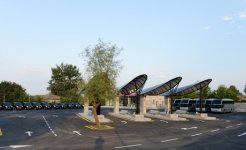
pixel 140 96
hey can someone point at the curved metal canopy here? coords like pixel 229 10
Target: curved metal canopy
pixel 191 88
pixel 162 88
pixel 134 85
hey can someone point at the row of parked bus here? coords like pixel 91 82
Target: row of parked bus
pixel 37 105
pixel 207 105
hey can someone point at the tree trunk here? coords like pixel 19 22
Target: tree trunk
pixel 94 110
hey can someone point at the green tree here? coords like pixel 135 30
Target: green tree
pixel 221 92
pixel 103 68
pixel 64 81
pixel 11 91
pixel 233 93
pixel 206 92
pixel 37 98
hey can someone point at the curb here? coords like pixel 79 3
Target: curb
pixel 167 119
pixel 129 119
pixel 83 118
pixel 93 128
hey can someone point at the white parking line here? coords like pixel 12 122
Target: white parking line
pixel 15 146
pixel 242 134
pixel 215 130
pixel 189 128
pixel 169 140
pixel 49 126
pixel 229 127
pixel 118 147
pixel 164 121
pixel 196 134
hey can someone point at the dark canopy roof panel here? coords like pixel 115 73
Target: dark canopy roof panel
pixel 190 88
pixel 134 85
pixel 162 88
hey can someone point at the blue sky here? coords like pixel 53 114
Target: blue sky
pixel 163 39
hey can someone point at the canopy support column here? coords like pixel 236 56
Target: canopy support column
pixel 142 105
pixel 200 100
pixel 116 104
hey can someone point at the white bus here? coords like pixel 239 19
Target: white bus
pixel 188 104
pixel 206 105
pixel 222 105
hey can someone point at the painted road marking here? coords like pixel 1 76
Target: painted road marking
pixel 215 130
pixel 239 124
pixel 164 121
pixel 227 121
pixel 15 146
pixel 189 128
pixel 49 126
pixel 21 117
pixel 228 127
pixel 29 133
pixel 127 146
pixel 242 134
pixel 77 132
pixel 169 140
pixel 124 122
pixel 196 134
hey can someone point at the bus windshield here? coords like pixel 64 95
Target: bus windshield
pixel 177 101
pixel 184 101
pixel 216 102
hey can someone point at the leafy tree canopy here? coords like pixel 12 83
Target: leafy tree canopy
pixel 64 81
pixel 11 91
pixel 103 68
pixel 99 88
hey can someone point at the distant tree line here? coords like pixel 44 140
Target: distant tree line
pixel 221 92
pixel 11 91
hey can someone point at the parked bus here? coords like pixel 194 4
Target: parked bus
pixel 222 105
pixel 198 105
pixel 206 105
pixel 188 104
pixel 176 104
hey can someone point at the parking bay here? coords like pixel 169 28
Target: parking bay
pixel 62 129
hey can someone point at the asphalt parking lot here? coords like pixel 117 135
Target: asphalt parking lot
pixel 62 129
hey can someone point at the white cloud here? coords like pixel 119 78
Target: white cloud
pixel 227 18
pixel 242 15
pixel 207 27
